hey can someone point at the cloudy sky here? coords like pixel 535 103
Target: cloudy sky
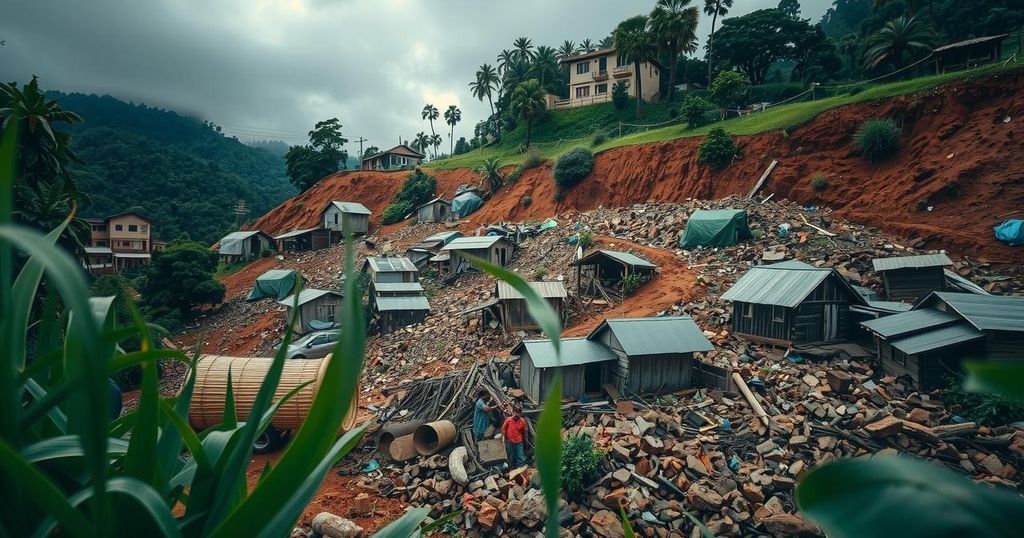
pixel 269 69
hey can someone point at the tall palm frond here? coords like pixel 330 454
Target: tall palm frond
pixel 896 38
pixel 674 27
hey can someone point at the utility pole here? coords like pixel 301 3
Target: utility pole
pixel 361 140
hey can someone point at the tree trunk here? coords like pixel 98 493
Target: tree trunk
pixel 529 126
pixel 451 141
pixel 639 88
pixel 672 73
pixel 489 102
pixel 711 44
pixel 432 132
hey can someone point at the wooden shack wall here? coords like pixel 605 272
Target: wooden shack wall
pixel 393 277
pixel 711 376
pixel 912 284
pixel 393 320
pixel 761 323
pixel 1004 345
pixel 435 212
pixel 516 316
pixel 809 317
pixel 360 223
pixel 660 373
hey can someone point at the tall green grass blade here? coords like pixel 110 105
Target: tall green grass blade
pixel 169 445
pixel 43 493
pixel 66 446
pixel 58 419
pixel 312 443
pixel 230 419
pixel 188 435
pixel 140 462
pixel 405 526
pixel 548 453
pixel 158 514
pixel 627 528
pixel 439 522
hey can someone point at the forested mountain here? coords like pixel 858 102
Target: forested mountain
pixel 184 174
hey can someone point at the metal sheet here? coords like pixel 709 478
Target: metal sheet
pixel 473 243
pixel 354 208
pixel 548 290
pixel 781 284
pixel 911 262
pixel 909 322
pixel 390 304
pixel 575 351
pixel 307 295
pixel 656 336
pixel 937 339
pixel 985 312
pixel 621 257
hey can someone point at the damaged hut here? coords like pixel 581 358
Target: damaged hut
pixel 601 273
pixel 396 311
pixel 436 210
pixel 493 249
pixel 909 278
pixel 238 246
pixel 305 239
pixel 337 213
pixel 422 252
pixel 792 303
pixel 390 269
pixel 511 305
pixel 929 343
pixel 318 310
pixel 586 366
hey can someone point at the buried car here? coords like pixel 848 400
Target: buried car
pixel 313 345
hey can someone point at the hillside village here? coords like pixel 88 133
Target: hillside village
pixel 763 282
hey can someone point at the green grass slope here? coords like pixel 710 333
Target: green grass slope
pixel 575 127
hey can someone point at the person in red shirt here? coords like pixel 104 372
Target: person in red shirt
pixel 514 430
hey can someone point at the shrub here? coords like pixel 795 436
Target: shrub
pixel 581 464
pixel 693 108
pixel 585 239
pixel 266 252
pixel 718 149
pixel 598 139
pixel 631 283
pixel 540 272
pixel 819 183
pixel 526 200
pixel 620 94
pixel 533 159
pixel 985 409
pixel 878 139
pixel 515 174
pixel 572 166
pixel 729 89
pixel 396 212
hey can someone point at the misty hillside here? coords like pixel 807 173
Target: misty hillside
pixel 184 174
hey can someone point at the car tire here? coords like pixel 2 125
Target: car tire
pixel 268 441
pixel 299 357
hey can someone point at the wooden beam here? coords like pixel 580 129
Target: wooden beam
pixel 749 396
pixel 764 177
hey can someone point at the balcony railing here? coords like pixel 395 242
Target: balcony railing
pixel 600 75
pixel 582 101
pixel 622 71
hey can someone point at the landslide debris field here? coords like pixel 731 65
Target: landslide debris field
pixel 671 453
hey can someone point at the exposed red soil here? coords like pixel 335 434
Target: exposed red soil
pixel 954 133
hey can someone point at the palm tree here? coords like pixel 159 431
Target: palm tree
pixel 486 82
pixel 515 74
pixel 898 36
pixel 587 46
pixel 436 142
pixel 527 103
pixel 635 45
pixel 606 42
pixel 452 116
pixel 545 61
pixel 431 113
pixel 674 25
pixel 715 8
pixel 420 142
pixel 505 60
pixel 522 47
pixel 490 171
pixel 567 49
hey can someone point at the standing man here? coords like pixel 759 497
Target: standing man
pixel 514 430
pixel 481 414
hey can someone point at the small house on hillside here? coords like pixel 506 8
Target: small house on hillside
pixel 421 252
pixel 402 289
pixel 318 309
pixel 494 249
pixel 792 303
pixel 909 278
pixel 395 312
pixel 586 366
pixel 390 269
pixel 600 273
pixel 397 158
pixel 930 342
pixel 436 210
pixel 511 304
pixel 592 75
pixel 305 239
pixel 336 213
pixel 238 246
pixel 968 53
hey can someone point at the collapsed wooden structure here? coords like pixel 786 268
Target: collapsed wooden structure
pixel 601 273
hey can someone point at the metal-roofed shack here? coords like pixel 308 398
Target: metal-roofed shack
pixel 511 305
pixel 436 210
pixel 392 269
pixel 792 303
pixel 304 239
pixel 396 312
pixel 586 367
pixel 317 309
pixel 600 273
pixel 911 277
pixel 494 249
pixel 421 252
pixel 237 246
pixel 337 213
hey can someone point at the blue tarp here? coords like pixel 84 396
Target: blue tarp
pixel 466 203
pixel 1011 231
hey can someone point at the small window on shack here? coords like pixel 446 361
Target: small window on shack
pixel 899 357
pixel 778 314
pixel 748 310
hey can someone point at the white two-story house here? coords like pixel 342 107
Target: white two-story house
pixel 592 74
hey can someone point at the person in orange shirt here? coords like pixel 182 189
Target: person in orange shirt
pixel 514 430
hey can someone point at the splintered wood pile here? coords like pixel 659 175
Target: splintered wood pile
pixel 451 396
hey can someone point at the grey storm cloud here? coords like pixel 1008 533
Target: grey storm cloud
pixel 270 69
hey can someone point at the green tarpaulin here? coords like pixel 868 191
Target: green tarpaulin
pixel 277 283
pixel 715 228
pixel 466 203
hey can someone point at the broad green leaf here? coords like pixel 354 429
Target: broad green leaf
pixel 874 497
pixel 130 489
pixel 42 493
pixel 169 445
pixel 548 452
pixel 538 307
pixel 66 446
pixel 140 462
pixel 1005 378
pixel 405 526
pixel 439 522
pixel 188 435
pixel 230 420
pixel 704 530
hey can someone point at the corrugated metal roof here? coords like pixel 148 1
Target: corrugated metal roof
pixel 548 290
pixel 781 284
pixel 968 42
pixel 434 201
pixel 473 243
pixel 294 233
pixel 909 322
pixel 937 339
pixel 390 287
pixel 390 304
pixel 655 336
pixel 621 257
pixel 985 312
pixel 959 283
pixel 911 262
pixel 443 236
pixel 575 351
pixel 354 208
pixel 239 236
pixel 390 264
pixel 307 295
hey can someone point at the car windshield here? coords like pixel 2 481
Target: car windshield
pixel 305 339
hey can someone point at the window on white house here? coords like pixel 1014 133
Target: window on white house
pixel 582 91
pixel 119 227
pixel 582 67
pixel 601 88
pixel 133 227
pixel 620 61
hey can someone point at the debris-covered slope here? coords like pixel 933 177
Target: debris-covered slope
pixel 962 154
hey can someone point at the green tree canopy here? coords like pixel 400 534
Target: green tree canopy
pixel 753 42
pixel 180 278
pixel 730 89
pixel 899 38
pixel 674 27
pixel 323 156
pixel 635 44
pixel 528 103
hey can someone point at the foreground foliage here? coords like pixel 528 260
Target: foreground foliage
pixel 581 465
